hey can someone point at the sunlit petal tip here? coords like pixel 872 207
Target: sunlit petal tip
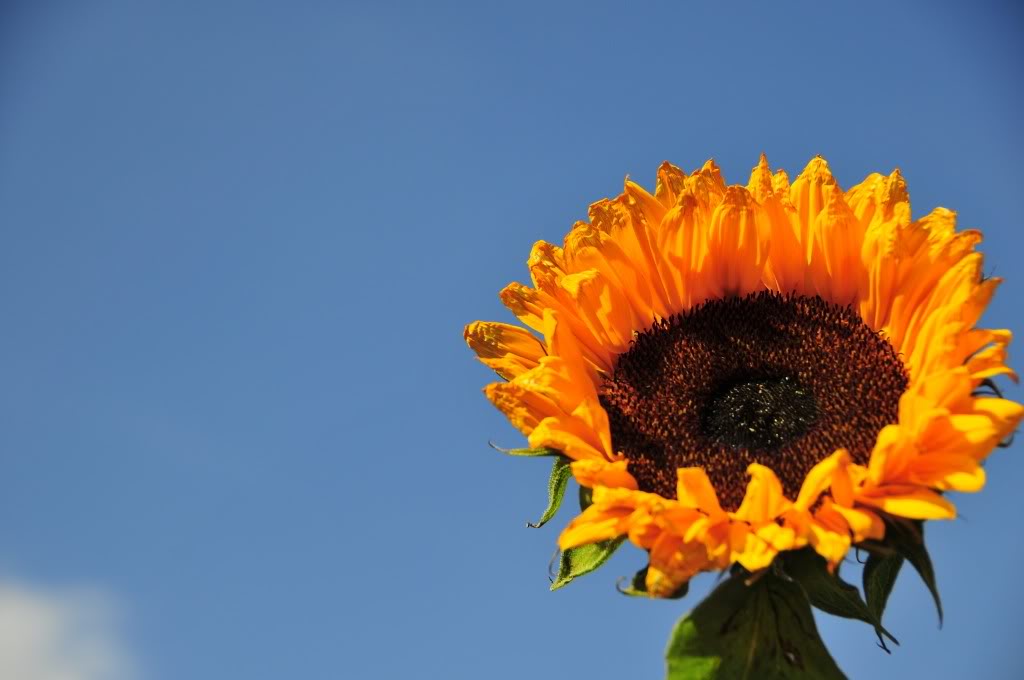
pixel 896 189
pixel 760 183
pixel 817 168
pixel 780 182
pixel 670 184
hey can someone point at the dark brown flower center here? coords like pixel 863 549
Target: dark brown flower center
pixel 779 380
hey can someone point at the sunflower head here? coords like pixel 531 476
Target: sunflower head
pixel 732 372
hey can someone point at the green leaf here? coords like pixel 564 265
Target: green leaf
pixel 880 572
pixel 907 537
pixel 828 592
pixel 638 587
pixel 583 560
pixel 586 497
pixel 761 631
pixel 560 474
pixel 527 453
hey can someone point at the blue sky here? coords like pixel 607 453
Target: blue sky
pixel 239 244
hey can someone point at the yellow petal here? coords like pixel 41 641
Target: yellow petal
pixel 809 194
pixel 595 524
pixel 829 542
pixel 779 537
pixel 764 500
pixel 751 551
pixel 864 524
pixel 1005 414
pixel 908 501
pixel 947 471
pixel 892 449
pixel 523 408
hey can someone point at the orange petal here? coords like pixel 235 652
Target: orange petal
pixel 834 249
pixel 673 563
pixel 829 534
pixel 598 472
pixel 809 194
pixel 568 435
pixel 737 245
pixel 694 490
pixel 820 478
pixel 595 524
pixel 524 408
pixel 508 350
pixel 670 184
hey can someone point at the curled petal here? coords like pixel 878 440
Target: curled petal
pixel 673 563
pixel 820 478
pixel 764 500
pixel 598 472
pixel 748 549
pixel 829 534
pixel 569 436
pixel 863 523
pixel 508 350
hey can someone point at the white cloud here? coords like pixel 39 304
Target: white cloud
pixel 60 635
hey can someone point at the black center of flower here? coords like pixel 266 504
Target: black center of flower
pixel 779 380
pixel 759 414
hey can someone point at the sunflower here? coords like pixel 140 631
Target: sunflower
pixel 737 371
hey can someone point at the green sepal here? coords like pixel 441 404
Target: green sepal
pixel 764 630
pixel 830 593
pixel 638 587
pixel 880 572
pixel 526 453
pixel 583 559
pixel 559 480
pixel 586 497
pixel 907 538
